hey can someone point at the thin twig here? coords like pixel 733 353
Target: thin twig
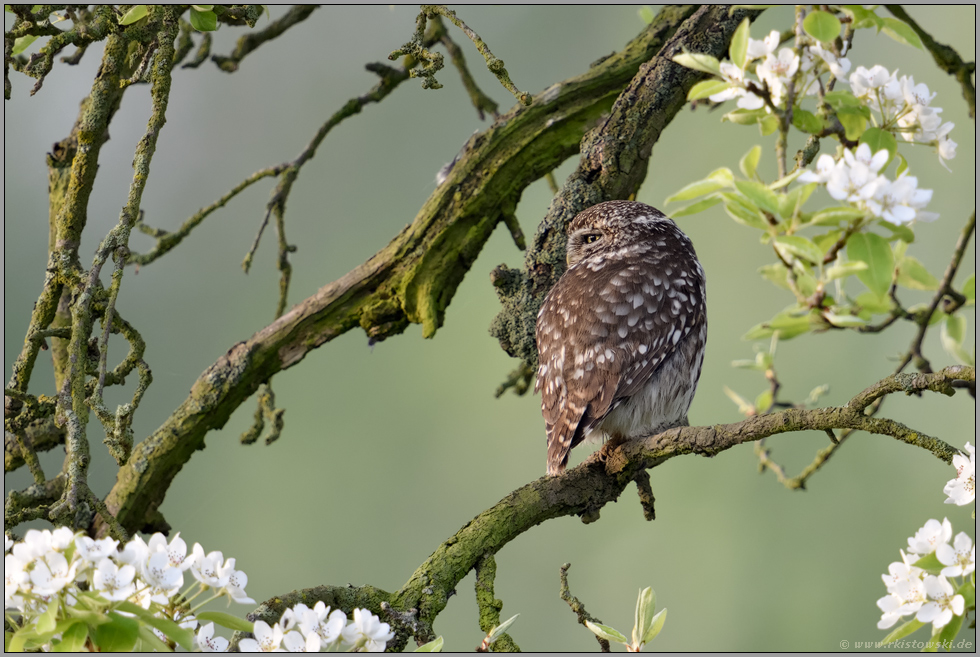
pixel 946 58
pixel 252 40
pixel 576 605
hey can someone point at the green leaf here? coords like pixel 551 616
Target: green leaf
pixel 785 180
pixel 181 636
pixel 879 139
pixel 913 275
pixel 787 324
pixel 763 402
pixel 901 232
pixel 949 631
pixel 838 99
pixel 699 62
pixel 794 245
pixel 744 116
pixel 204 21
pixel 696 189
pixel 656 625
pixel 844 270
pixel 834 216
pixel 750 161
pixel 790 204
pixel 903 631
pixel 646 604
pixel 118 635
pixel 903 165
pixel 968 589
pixel 845 321
pixel 22 43
pixel 901 32
pixel 225 620
pixel 697 206
pixel 822 26
pixel 805 281
pixel 707 88
pixel 776 273
pixel 722 174
pixel 873 303
pixel 138 12
pixel 827 241
pixel 853 120
pixel 73 637
pixel 874 250
pixel 497 631
pixel 930 563
pixel 47 620
pixel 606 632
pixel 646 15
pixel 970 289
pixel 432 646
pixel 952 335
pixel 759 194
pixel 807 121
pixel 149 642
pixel 744 212
pixel 768 124
pixel 203 7
pixel 739 47
pixel 863 18
pixel 19 640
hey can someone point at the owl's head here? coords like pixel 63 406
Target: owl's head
pixel 608 227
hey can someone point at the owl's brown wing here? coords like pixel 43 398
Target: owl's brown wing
pixel 601 335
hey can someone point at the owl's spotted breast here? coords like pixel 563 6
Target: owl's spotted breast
pixel 621 335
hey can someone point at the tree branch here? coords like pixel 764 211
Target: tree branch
pixel 412 280
pixel 946 58
pixel 251 41
pixel 583 491
pixel 613 164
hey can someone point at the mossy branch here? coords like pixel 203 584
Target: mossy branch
pixel 583 491
pixel 432 62
pixel 413 279
pixel 613 164
pixel 249 42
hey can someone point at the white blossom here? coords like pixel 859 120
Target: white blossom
pixel 942 605
pixel 267 639
pixel 757 49
pixel 736 79
pixel 930 536
pixel 113 582
pixel 176 550
pixel 777 72
pixel 209 569
pixel 901 201
pixel 327 624
pixel 159 574
pixel 207 642
pixel 962 489
pixel 51 574
pixel 959 558
pixel 368 631
pixel 95 551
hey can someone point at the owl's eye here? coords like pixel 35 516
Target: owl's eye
pixel 591 237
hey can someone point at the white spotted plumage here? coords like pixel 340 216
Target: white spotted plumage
pixel 621 335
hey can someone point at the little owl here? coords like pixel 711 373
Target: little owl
pixel 621 335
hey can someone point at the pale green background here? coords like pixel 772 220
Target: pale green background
pixel 388 451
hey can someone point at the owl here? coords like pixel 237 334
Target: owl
pixel 621 335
